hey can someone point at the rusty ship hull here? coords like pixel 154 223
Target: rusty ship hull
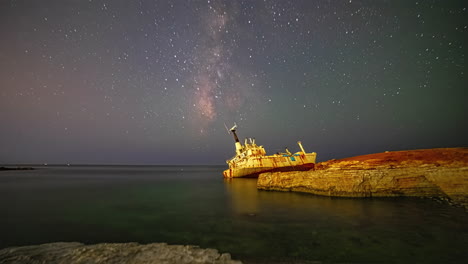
pixel 251 160
pixel 253 166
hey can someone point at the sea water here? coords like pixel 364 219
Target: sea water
pixel 195 205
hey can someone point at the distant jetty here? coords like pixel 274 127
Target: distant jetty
pixel 15 168
pixel 437 173
pixel 73 252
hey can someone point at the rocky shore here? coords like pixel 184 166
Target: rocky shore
pixel 436 173
pixel 133 253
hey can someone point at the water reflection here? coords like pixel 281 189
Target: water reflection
pixel 406 229
pixel 246 199
pixel 192 205
pixel 244 195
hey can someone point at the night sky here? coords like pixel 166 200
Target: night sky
pixel 154 82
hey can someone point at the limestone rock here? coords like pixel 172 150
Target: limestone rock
pixel 107 253
pixel 441 173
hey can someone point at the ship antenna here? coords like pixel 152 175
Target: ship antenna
pixel 236 139
pixel 227 129
pixel 233 131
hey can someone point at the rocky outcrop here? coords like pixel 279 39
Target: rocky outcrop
pixel 133 253
pixel 439 173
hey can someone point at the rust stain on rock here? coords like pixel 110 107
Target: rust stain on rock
pixel 441 173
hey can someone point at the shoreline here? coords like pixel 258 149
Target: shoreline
pixel 432 173
pixel 75 252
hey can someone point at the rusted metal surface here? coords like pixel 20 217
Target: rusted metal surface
pixel 251 160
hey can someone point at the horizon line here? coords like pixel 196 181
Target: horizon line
pixel 95 164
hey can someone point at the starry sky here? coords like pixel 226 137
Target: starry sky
pixel 155 82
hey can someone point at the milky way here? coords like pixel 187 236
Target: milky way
pixel 212 64
pixel 217 79
pixel 154 82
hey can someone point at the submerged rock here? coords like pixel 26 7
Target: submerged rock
pixel 134 253
pixel 436 173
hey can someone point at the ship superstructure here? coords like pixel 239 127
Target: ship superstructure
pixel 251 160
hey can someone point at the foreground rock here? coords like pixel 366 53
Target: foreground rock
pixel 441 173
pixel 133 253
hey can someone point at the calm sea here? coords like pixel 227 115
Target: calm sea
pixel 194 205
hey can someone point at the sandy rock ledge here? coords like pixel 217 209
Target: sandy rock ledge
pixel 434 173
pixel 106 253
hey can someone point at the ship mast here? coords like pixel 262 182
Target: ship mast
pixel 238 144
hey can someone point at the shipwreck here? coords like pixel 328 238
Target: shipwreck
pixel 251 160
